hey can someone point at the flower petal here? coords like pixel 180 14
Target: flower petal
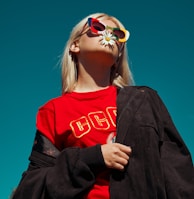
pixel 107 38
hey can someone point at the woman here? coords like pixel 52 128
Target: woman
pixel 104 138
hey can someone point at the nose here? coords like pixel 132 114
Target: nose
pixel 109 29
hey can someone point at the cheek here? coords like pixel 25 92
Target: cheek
pixel 116 49
pixel 88 42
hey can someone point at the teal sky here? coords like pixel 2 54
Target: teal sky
pixel 32 37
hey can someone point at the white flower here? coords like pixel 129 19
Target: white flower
pixel 107 38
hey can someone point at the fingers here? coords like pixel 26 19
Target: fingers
pixel 119 163
pixel 116 155
pixel 123 148
pixel 120 155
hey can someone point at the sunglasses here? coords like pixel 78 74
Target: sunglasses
pixel 98 27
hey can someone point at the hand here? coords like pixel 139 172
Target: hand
pixel 116 155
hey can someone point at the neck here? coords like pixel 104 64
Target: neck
pixel 92 78
pixel 87 83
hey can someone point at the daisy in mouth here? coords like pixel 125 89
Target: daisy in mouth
pixel 107 38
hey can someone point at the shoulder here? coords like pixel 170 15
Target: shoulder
pixel 136 94
pixel 140 88
pixel 53 102
pixel 143 97
pixel 141 93
pixel 146 90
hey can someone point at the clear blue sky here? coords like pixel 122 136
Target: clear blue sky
pixel 32 38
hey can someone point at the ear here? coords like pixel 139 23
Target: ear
pixel 74 47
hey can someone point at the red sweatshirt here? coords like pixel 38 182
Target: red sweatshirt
pixel 83 120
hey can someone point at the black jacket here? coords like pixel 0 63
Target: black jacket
pixel 160 166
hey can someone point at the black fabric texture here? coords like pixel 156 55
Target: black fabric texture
pixel 160 166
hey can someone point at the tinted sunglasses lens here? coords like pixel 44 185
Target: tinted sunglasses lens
pixel 98 26
pixel 119 33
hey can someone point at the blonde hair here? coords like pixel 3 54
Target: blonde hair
pixel 121 75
